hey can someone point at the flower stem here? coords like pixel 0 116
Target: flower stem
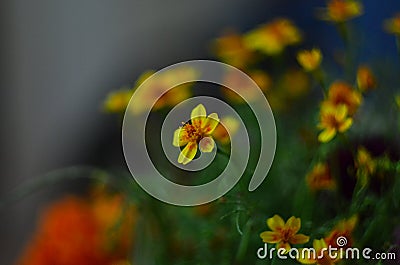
pixel 244 242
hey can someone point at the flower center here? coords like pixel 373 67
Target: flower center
pixel 194 133
pixel 286 235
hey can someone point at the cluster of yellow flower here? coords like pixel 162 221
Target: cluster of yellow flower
pixel 284 234
pixel 320 176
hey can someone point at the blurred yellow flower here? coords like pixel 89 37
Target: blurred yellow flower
pixel 197 132
pixel 157 86
pixel 341 93
pixel 292 85
pixel 321 256
pixel 230 49
pixel 273 37
pixel 342 10
pixel 397 99
pixel 283 234
pixel 392 25
pixel 235 79
pixel 309 59
pixel 117 101
pixel 365 165
pixel 227 123
pixel 320 178
pixel 365 78
pixel 333 119
pixel 343 228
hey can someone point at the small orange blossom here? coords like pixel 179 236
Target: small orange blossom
pixel 283 234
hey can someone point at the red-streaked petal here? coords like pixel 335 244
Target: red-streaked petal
pixel 210 123
pixel 270 237
pixel 198 115
pixel 276 223
pixel 293 224
pixel 188 153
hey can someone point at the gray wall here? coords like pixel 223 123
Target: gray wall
pixel 58 61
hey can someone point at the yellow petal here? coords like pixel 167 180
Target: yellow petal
pixel 210 124
pixel 346 125
pixel 306 258
pixel 319 244
pixel 206 144
pixel 283 245
pixel 188 153
pixel 351 223
pixel 327 135
pixel 276 223
pixel 198 112
pixel 299 239
pixel 180 138
pixel 270 237
pixel 341 112
pixel 293 224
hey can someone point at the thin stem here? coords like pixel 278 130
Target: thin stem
pixel 244 242
pixel 319 76
pixel 237 221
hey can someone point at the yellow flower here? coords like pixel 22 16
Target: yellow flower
pixel 157 86
pixel 343 228
pixel 284 234
pixel 235 79
pixel 342 10
pixel 341 93
pixel 117 101
pixel 309 59
pixel 221 133
pixel 365 165
pixel 397 99
pixel 320 178
pixel 230 48
pixel 273 37
pixel 321 256
pixel 392 25
pixel 333 119
pixel 196 132
pixel 365 79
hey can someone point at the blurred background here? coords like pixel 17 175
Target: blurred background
pixel 59 59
